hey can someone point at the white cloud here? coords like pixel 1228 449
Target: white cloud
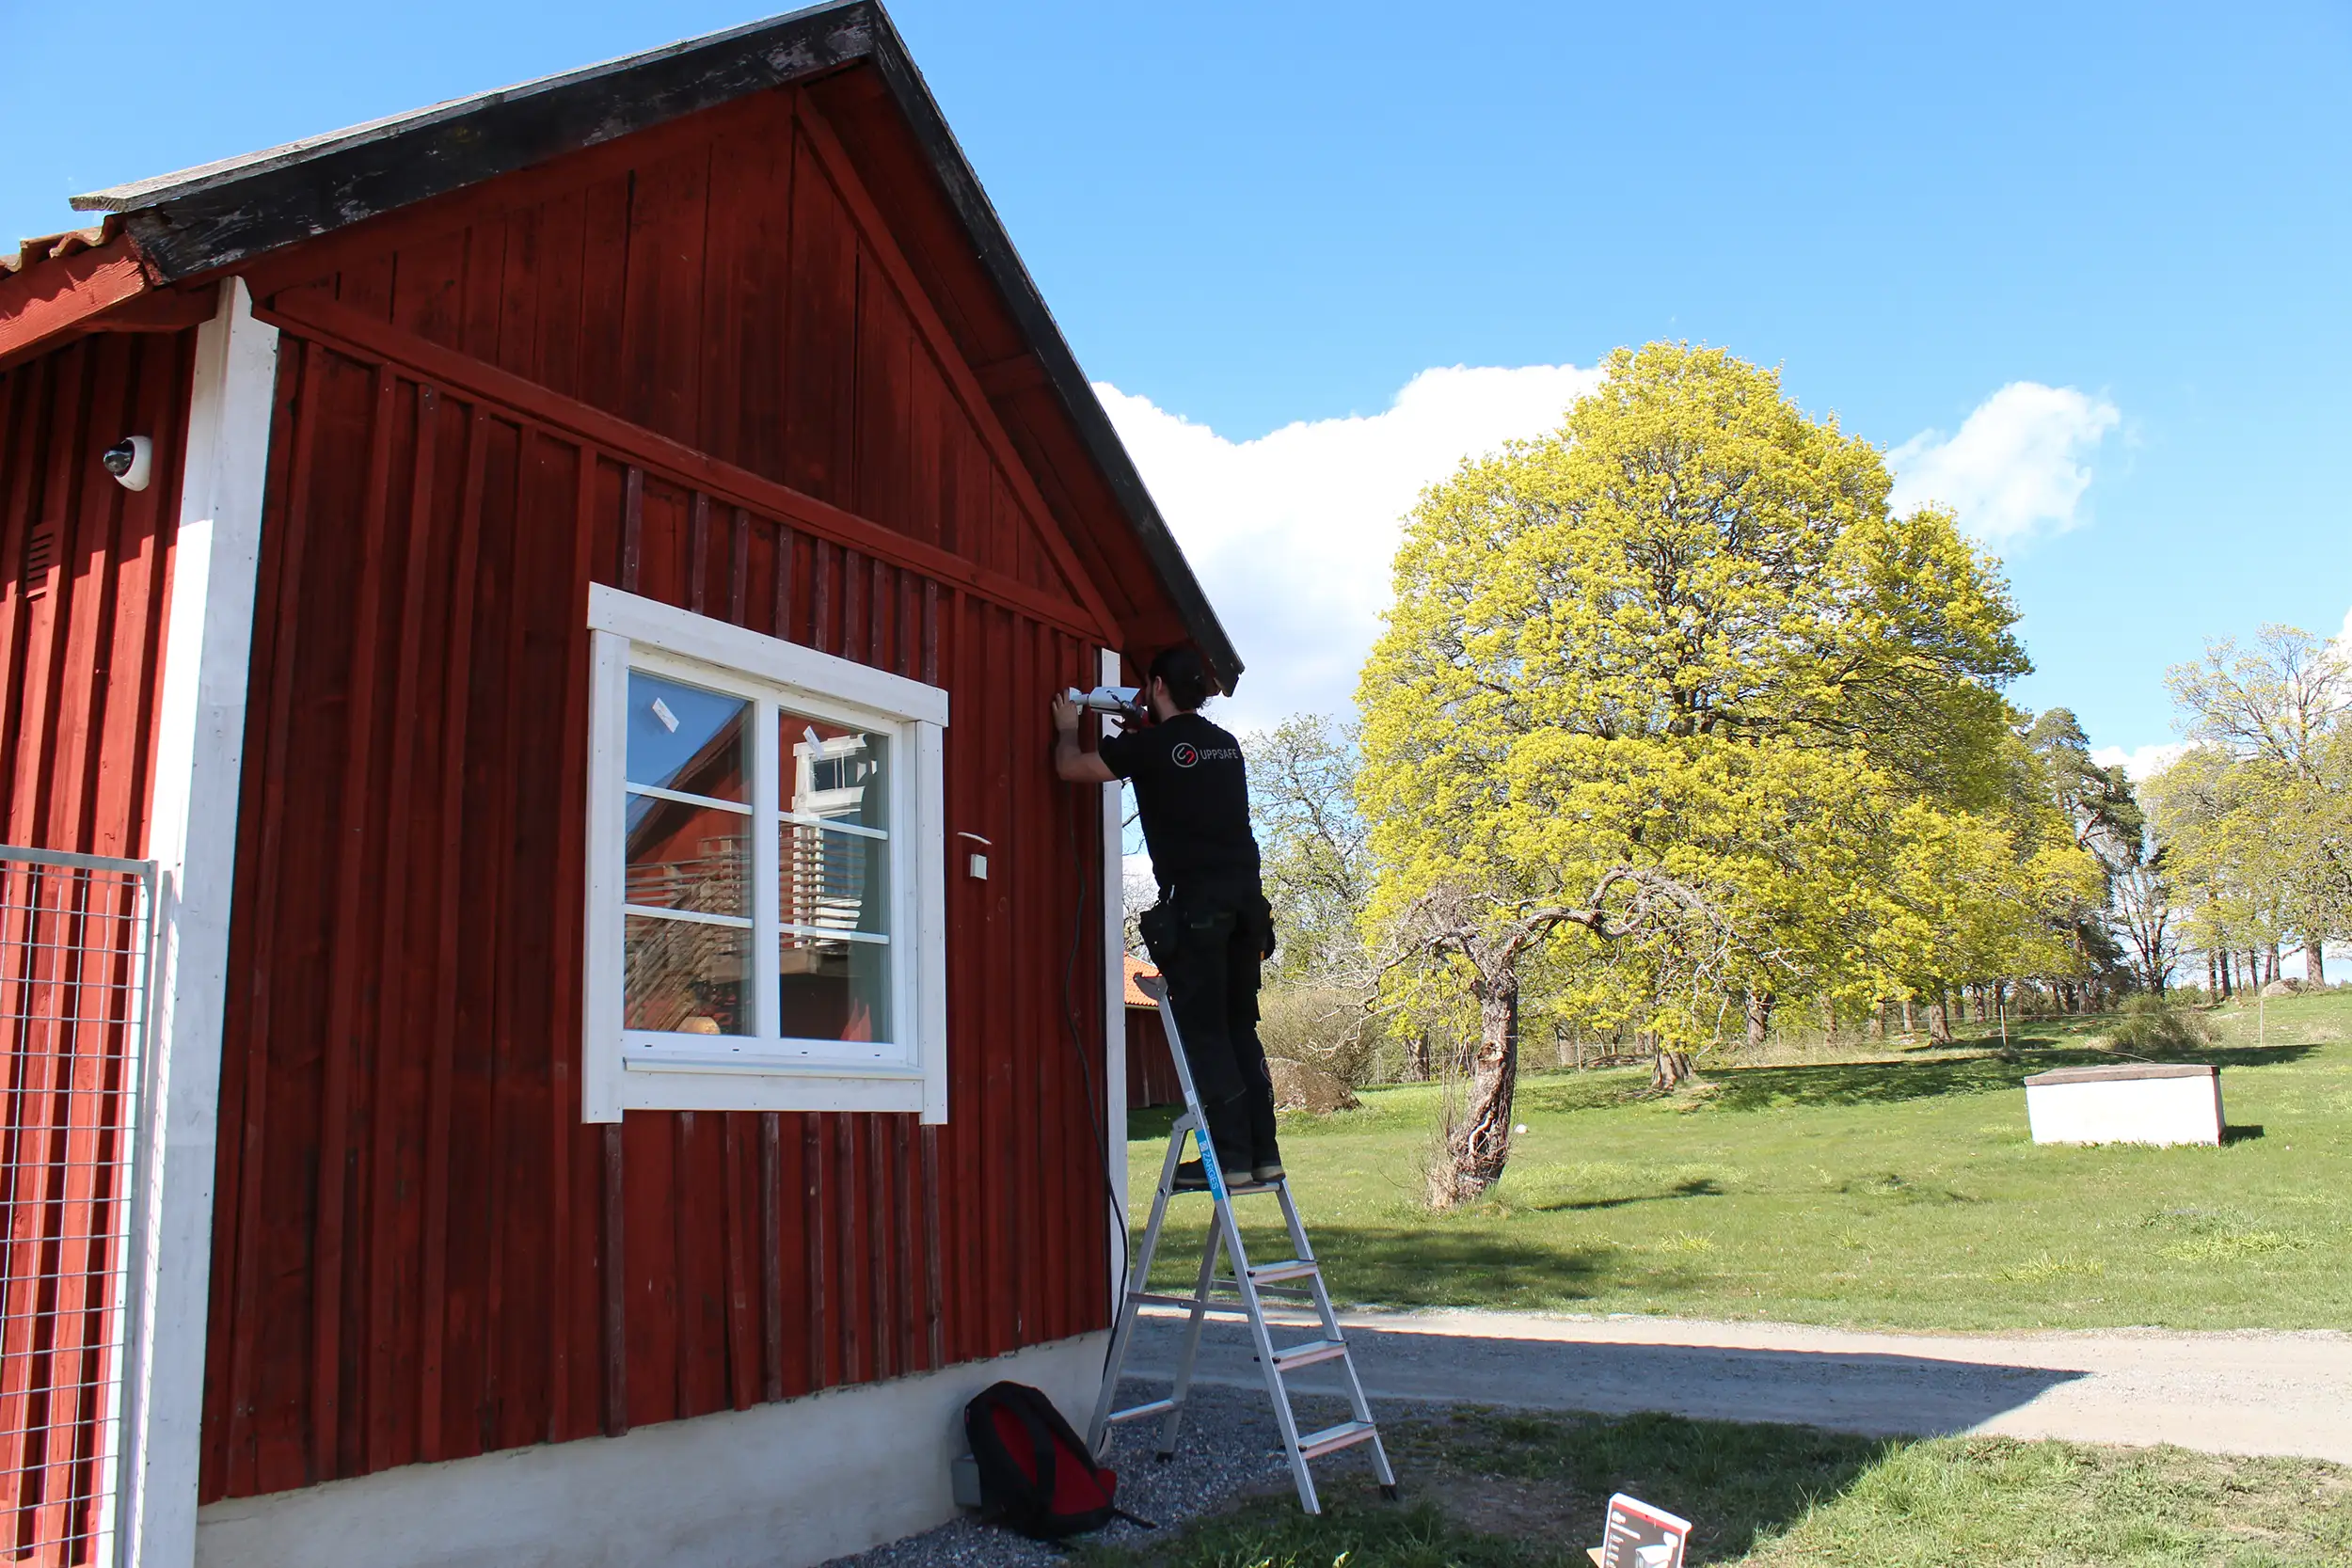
pixel 2016 467
pixel 1292 534
pixel 2142 763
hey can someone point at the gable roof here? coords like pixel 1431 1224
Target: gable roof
pixel 200 220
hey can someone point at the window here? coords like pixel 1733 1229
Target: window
pixel 766 922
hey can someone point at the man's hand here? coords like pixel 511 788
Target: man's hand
pixel 1070 762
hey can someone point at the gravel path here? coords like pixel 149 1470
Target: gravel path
pixel 2234 1392
pixel 1228 1447
pixel 2224 1392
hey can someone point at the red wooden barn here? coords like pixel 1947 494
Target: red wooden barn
pixel 578 657
pixel 1151 1072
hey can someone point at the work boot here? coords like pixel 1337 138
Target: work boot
pixel 1229 1134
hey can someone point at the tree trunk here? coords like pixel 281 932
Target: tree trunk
pixel 1670 1068
pixel 2315 962
pixel 1760 1018
pixel 2225 963
pixel 1940 1018
pixel 1908 1027
pixel 1480 1143
pixel 2270 963
pixel 1421 1056
pixel 1878 1019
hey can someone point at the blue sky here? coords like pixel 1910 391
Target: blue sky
pixel 1262 220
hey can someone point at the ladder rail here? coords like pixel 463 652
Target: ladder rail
pixel 1224 1240
pixel 1190 1355
pixel 1137 1286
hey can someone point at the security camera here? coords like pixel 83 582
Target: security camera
pixel 1117 701
pixel 130 460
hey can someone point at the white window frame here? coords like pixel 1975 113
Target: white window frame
pixel 631 1069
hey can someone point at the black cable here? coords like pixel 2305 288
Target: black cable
pixel 1095 1112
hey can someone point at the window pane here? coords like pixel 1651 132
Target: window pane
pixel 685 738
pixel 836 882
pixel 835 772
pixel 686 977
pixel 835 865
pixel 835 990
pixel 683 857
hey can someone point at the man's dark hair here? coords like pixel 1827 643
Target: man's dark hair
pixel 1186 674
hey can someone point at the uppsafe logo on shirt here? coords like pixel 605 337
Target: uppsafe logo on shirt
pixel 1183 755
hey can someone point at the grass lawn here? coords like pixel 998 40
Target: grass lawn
pixel 1488 1490
pixel 1895 1193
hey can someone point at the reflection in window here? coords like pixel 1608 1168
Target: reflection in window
pixel 684 738
pixel 687 946
pixel 834 960
pixel 684 976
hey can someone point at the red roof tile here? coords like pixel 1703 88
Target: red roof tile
pixel 1138 969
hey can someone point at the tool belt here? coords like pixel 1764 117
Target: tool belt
pixel 1197 905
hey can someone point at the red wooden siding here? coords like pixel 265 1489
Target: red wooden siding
pixel 84 567
pixel 420 1251
pixel 725 282
pixel 1151 1075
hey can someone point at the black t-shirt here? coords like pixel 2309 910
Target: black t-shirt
pixel 1193 797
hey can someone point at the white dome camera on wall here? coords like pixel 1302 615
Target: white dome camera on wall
pixel 131 460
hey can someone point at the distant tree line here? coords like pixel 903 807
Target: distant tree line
pixel 2254 820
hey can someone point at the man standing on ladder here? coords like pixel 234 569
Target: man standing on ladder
pixel 1212 927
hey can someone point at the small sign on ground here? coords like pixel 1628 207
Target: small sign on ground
pixel 1640 1536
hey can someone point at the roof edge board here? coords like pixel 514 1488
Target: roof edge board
pixel 181 184
pixel 234 213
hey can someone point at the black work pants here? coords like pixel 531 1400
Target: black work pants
pixel 1209 943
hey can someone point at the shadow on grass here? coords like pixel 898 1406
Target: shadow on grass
pixel 1765 1088
pixel 1738 1483
pixel 1559 1093
pixel 1151 1123
pixel 1438 1267
pixel 1698 1186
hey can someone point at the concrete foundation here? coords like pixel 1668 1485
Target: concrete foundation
pixel 776 1487
pixel 2142 1102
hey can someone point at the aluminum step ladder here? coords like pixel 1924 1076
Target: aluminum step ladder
pixel 1245 1289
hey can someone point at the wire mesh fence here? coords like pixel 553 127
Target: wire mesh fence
pixel 74 942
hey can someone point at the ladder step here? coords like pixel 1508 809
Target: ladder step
pixel 1246 1189
pixel 1332 1439
pixel 1308 1354
pixel 1154 1298
pixel 1142 1412
pixel 1295 1268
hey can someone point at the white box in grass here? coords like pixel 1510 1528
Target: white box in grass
pixel 2134 1102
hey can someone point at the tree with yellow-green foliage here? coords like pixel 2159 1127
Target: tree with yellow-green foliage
pixel 1672 704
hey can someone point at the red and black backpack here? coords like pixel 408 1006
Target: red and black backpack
pixel 1036 1474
